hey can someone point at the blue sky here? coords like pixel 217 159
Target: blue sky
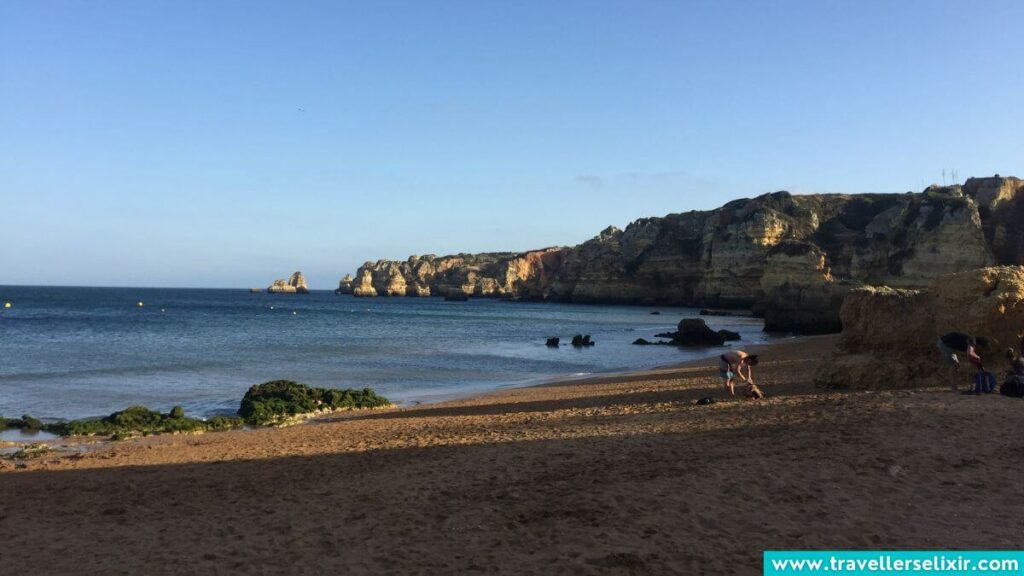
pixel 216 143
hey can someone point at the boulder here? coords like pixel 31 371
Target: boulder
pixel 695 332
pixel 582 340
pixel 889 335
pixel 552 342
pixel 729 335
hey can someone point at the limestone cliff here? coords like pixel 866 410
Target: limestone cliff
pixel 520 275
pixel 295 284
pixel 344 285
pixel 792 257
pixel 889 334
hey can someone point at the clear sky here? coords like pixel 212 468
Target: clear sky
pixel 216 143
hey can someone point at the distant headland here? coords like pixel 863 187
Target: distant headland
pixel 791 258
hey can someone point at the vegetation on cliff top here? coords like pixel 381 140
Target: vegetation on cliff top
pixel 263 405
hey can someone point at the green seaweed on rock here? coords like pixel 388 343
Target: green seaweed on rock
pixel 264 404
pixel 274 402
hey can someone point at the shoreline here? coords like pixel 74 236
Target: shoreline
pixel 615 475
pixel 76 444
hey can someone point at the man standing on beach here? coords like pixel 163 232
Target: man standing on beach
pixel 951 343
pixel 730 366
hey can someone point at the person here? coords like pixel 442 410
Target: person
pixel 951 343
pixel 1013 386
pixel 731 365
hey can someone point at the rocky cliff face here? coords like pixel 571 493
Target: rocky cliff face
pixel 295 284
pixel 519 275
pixel 792 257
pixel 345 285
pixel 889 334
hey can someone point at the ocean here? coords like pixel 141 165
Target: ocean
pixel 84 352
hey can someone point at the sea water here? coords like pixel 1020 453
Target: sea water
pixel 83 352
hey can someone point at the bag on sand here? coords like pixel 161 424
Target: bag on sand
pixel 1013 387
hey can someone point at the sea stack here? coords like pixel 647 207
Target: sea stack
pixel 295 284
pixel 345 285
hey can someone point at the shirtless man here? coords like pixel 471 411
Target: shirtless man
pixel 731 365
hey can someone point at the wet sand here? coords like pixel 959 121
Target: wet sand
pixel 618 475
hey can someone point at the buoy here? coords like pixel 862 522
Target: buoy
pixel 163 310
pixel 7 304
pixel 271 307
pixel 294 313
pixel 140 303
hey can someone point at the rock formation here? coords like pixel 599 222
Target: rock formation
pixel 889 334
pixel 345 285
pixel 505 274
pixel 792 258
pixel 695 332
pixel 295 284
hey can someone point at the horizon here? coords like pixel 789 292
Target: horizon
pixel 191 144
pixel 332 287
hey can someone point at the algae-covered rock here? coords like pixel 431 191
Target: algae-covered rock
pixel 141 421
pixel 276 401
pixel 26 422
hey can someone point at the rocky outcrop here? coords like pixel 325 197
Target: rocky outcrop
pixel 345 285
pixel 889 334
pixel 514 275
pixel 295 284
pixel 695 332
pixel 793 258
pixel 1001 210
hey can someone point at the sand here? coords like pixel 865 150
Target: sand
pixel 620 475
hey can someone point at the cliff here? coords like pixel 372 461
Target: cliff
pixel 889 334
pixel 504 274
pixel 295 284
pixel 793 258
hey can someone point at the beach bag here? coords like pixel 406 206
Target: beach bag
pixel 1013 387
pixel 984 382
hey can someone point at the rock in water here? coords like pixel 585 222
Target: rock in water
pixel 344 285
pixel 552 342
pixel 295 284
pixel 695 332
pixel 729 335
pixel 642 342
pixel 580 341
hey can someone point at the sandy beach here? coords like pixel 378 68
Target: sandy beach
pixel 616 475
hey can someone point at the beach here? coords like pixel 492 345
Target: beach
pixel 622 474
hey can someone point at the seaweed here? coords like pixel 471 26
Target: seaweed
pixel 141 421
pixel 26 422
pixel 274 402
pixel 264 404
